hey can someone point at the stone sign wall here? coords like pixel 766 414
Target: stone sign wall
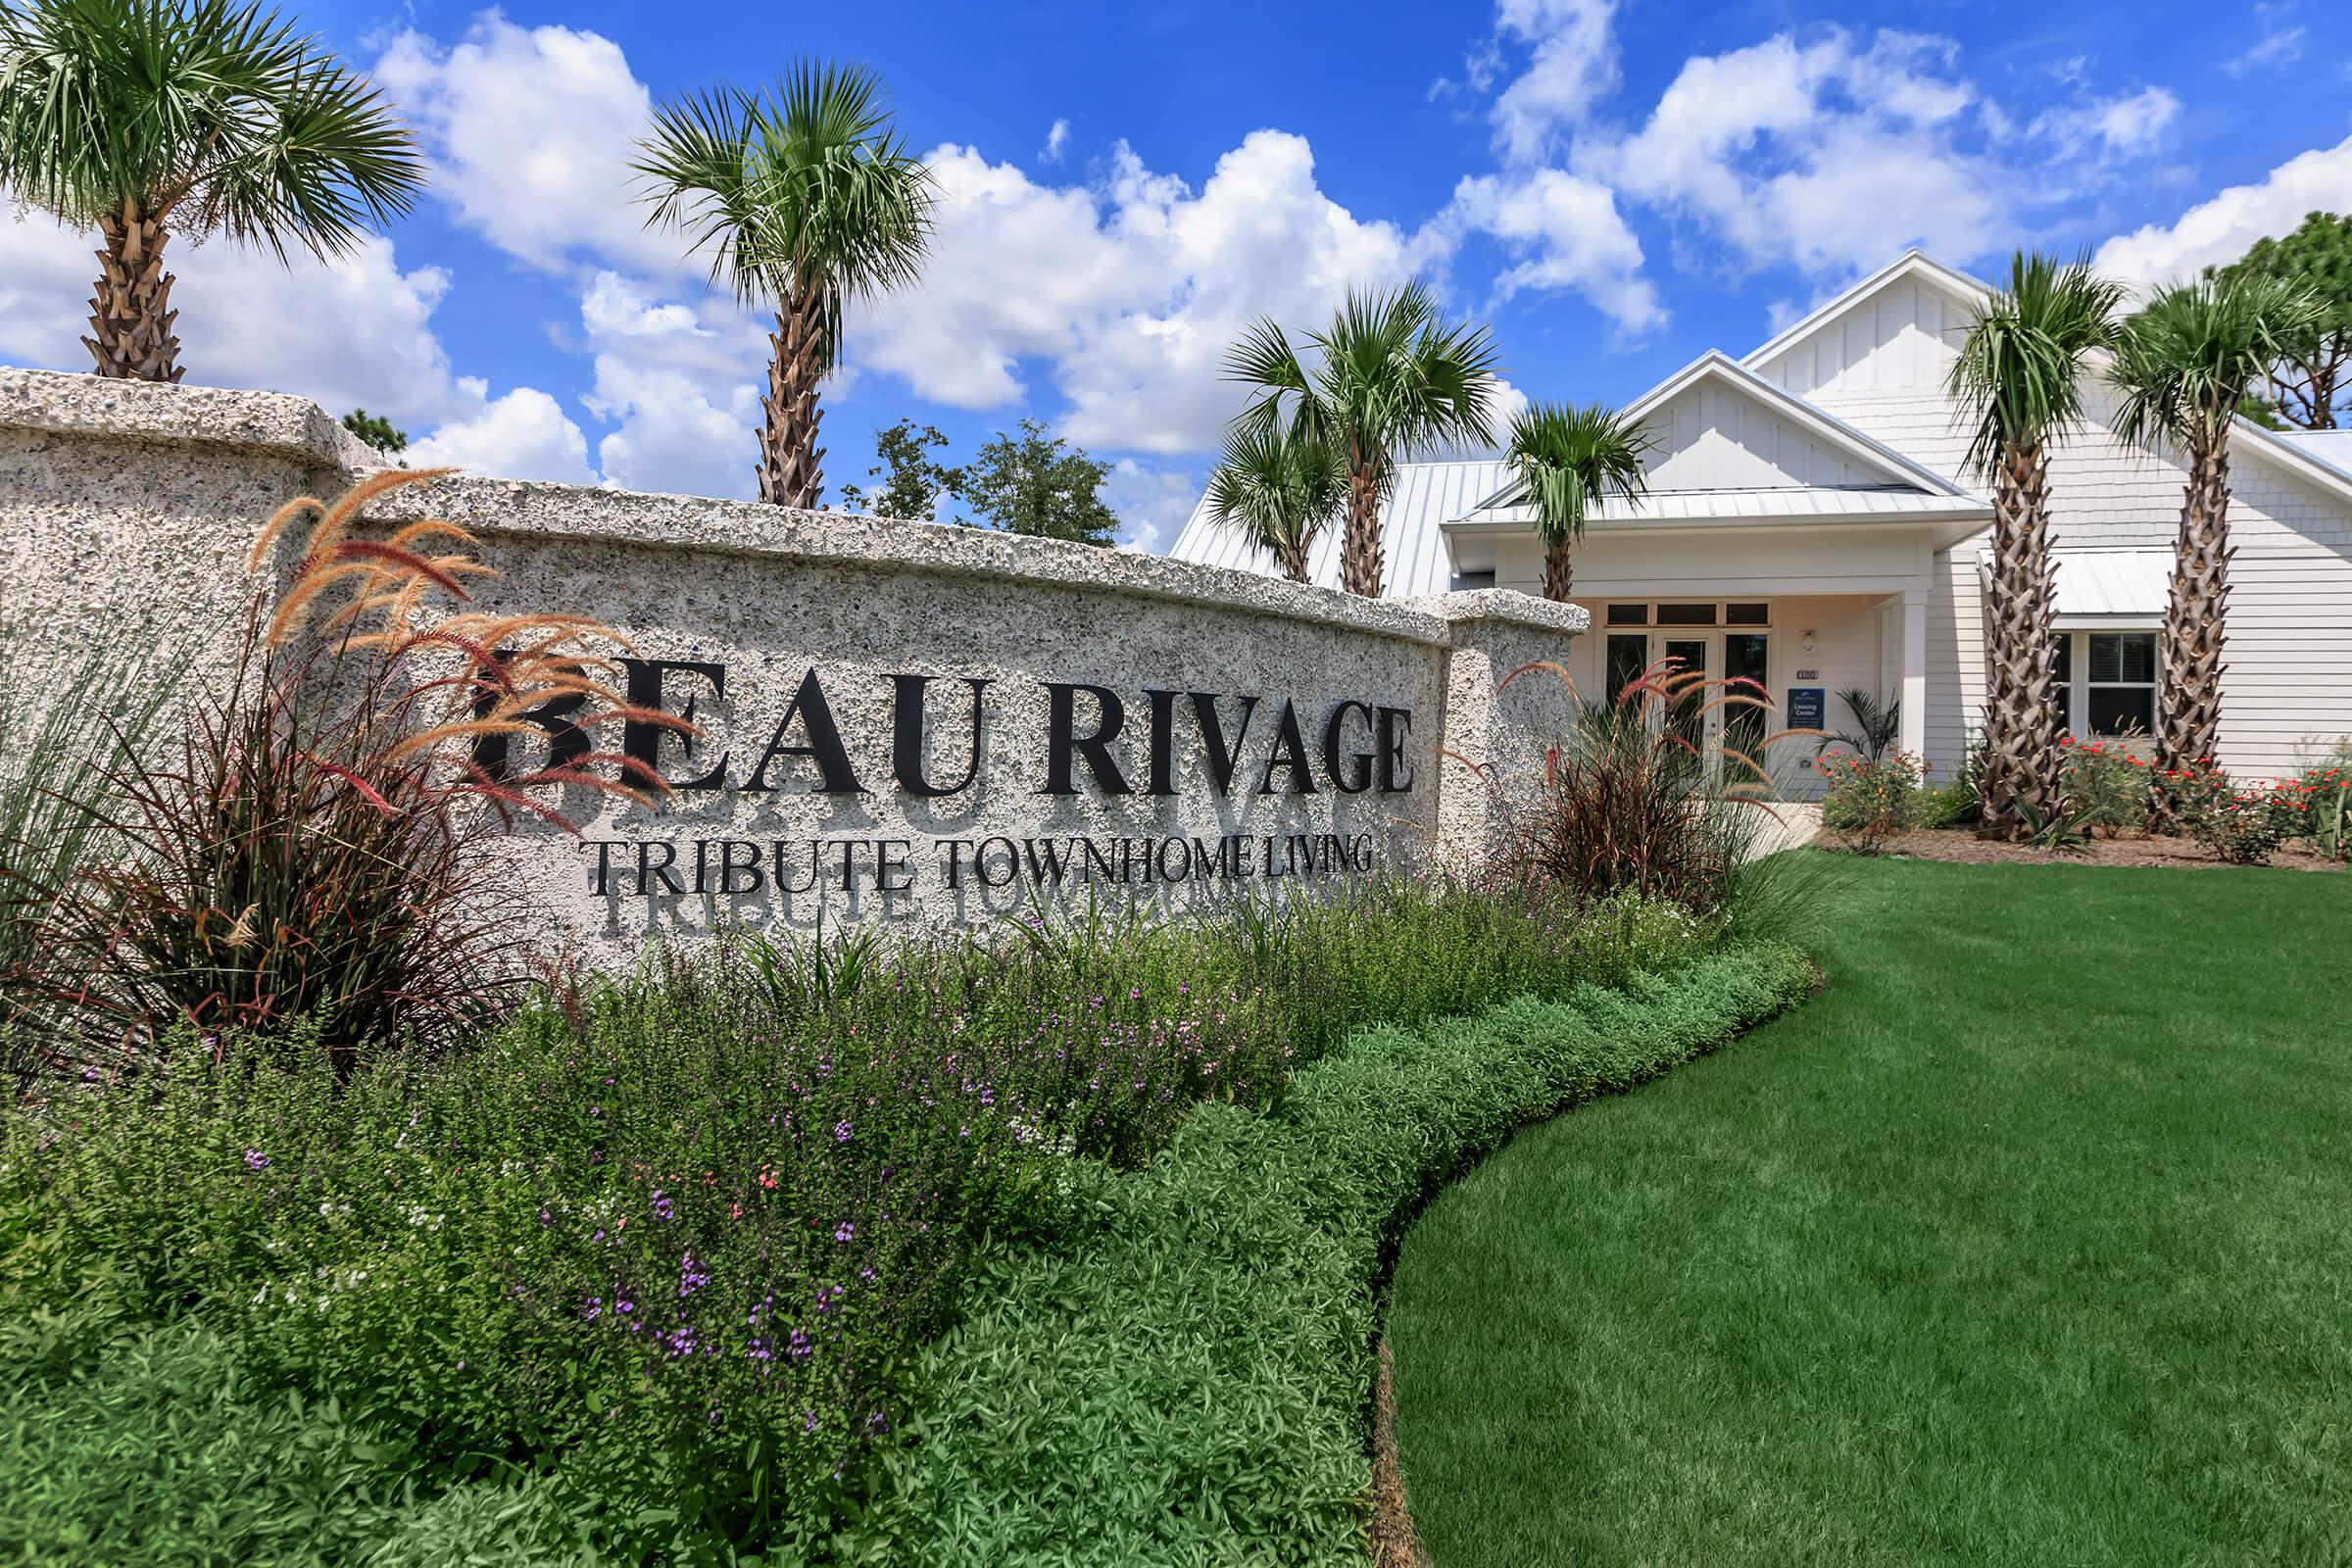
pixel 909 722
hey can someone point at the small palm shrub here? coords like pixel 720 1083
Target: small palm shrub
pixel 1630 801
pixel 311 848
pixel 1872 801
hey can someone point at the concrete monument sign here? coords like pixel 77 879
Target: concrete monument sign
pixel 898 721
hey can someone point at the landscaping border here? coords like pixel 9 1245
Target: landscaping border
pixel 1190 1378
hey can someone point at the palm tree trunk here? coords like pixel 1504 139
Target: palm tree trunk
pixel 1559 568
pixel 131 308
pixel 2188 704
pixel 2022 767
pixel 789 471
pixel 1293 562
pixel 1359 544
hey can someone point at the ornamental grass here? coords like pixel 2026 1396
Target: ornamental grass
pixel 309 847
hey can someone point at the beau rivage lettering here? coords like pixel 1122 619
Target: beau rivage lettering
pixel 1355 746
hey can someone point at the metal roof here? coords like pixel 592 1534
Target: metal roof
pixel 1783 504
pixel 2111 588
pixel 2332 447
pixel 1412 542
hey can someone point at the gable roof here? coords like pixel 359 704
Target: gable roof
pixel 1913 263
pixel 1718 367
pixel 2298 458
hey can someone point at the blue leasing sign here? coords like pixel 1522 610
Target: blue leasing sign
pixel 1808 708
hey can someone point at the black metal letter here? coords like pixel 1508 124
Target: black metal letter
pixel 1061 743
pixel 906 737
pixel 1362 774
pixel 825 746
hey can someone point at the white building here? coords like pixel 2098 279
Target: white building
pixel 1809 526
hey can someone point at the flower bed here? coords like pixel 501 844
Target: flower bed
pixel 663 1254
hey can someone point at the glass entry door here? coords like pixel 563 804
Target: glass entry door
pixel 1691 711
pixel 1745 660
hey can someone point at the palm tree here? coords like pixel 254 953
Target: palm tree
pixel 1392 379
pixel 142 118
pixel 806 199
pixel 2183 362
pixel 2019 378
pixel 1570 460
pixel 1278 489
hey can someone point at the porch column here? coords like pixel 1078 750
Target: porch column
pixel 1915 672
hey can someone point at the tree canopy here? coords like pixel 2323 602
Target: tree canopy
pixel 2310 384
pixel 1026 482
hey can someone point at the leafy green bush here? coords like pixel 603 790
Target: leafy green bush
pixel 1871 800
pixel 158 1445
pixel 1191 1376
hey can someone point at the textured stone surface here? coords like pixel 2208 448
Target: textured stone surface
pixel 115 500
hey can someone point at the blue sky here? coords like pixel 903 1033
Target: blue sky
pixel 1616 187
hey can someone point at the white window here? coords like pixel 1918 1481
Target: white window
pixel 2120 694
pixel 2106 682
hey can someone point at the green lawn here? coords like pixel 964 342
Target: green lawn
pixel 2030 1241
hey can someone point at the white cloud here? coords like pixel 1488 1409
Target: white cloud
pixel 2126 127
pixel 349 333
pixel 1153 503
pixel 1572 64
pixel 2220 229
pixel 522 434
pixel 2280 41
pixel 1829 154
pixel 1564 232
pixel 680 381
pixel 1056 139
pixel 530 133
pixel 1131 291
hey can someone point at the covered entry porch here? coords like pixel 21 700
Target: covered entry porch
pixel 1806 607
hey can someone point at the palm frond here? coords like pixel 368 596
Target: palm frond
pixel 1575 458
pixel 2184 362
pixel 804 188
pixel 1279 489
pixel 220 117
pixel 2020 368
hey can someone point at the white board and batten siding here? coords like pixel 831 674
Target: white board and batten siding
pixel 1881 367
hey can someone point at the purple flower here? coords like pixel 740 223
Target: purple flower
pixel 844 1231
pixel 255 1159
pixel 662 1206
pixel 797 1348
pixel 841 1131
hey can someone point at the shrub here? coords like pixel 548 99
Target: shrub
pixel 2240 825
pixel 156 1445
pixel 2108 787
pixel 1629 801
pixel 311 852
pixel 1191 1373
pixel 1870 802
pixel 2322 793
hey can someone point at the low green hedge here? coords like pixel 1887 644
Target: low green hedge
pixel 1188 1385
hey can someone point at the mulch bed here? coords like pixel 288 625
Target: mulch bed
pixel 1962 845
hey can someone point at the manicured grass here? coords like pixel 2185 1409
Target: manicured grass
pixel 2029 1242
